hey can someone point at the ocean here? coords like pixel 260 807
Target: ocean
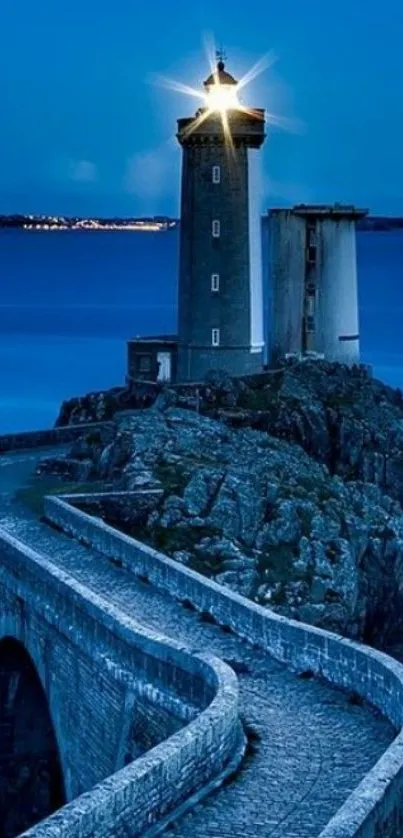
pixel 70 300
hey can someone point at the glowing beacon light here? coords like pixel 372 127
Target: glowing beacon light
pixel 221 90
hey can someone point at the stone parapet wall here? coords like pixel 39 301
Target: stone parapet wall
pixel 118 505
pixel 375 808
pixel 196 687
pixel 51 436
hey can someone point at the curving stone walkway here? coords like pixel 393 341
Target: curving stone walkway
pixel 310 746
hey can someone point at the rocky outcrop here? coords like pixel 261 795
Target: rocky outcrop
pixel 102 405
pixel 339 415
pixel 261 514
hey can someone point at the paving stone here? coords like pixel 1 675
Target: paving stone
pixel 314 747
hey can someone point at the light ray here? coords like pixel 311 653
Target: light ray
pixel 291 125
pixel 178 86
pixel 294 126
pixel 211 51
pixel 263 64
pixel 195 124
pixel 249 111
pixel 227 130
pixel 220 98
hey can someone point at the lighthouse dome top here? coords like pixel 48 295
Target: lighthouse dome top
pixel 220 77
pixel 221 89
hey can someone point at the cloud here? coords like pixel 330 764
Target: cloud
pixel 152 174
pixel 144 173
pixel 82 171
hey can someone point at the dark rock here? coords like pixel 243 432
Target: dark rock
pixel 167 398
pixel 103 405
pixel 293 499
pixel 70 469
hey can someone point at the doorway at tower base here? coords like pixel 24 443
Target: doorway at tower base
pixel 152 358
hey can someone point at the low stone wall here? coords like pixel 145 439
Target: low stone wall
pixel 51 436
pixel 139 795
pixel 375 808
pixel 118 505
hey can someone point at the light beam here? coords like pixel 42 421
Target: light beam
pixel 221 98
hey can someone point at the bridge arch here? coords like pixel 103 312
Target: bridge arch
pixel 31 784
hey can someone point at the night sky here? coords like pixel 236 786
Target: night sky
pixel 85 129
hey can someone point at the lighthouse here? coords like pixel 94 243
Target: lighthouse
pixel 220 310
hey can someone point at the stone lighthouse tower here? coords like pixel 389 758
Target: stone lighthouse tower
pixel 220 283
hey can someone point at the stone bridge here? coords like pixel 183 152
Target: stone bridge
pixel 141 698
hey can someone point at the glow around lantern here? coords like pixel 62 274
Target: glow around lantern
pixel 222 97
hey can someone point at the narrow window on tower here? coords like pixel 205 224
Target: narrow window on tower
pixel 311 244
pixel 310 324
pixel 216 229
pixel 310 305
pixel 215 337
pixel 216 174
pixel 215 282
pixel 311 255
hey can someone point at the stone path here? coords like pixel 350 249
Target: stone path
pixel 311 747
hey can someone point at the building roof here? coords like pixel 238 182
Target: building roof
pixel 220 76
pixel 154 339
pixel 323 210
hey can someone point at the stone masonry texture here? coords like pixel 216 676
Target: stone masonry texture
pixel 201 255
pixel 311 744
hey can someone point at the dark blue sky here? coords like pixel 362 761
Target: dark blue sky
pixel 84 130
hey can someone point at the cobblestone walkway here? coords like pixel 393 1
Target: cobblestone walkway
pixel 311 746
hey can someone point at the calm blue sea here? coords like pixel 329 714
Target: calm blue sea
pixel 69 301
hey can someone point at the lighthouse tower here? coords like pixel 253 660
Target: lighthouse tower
pixel 220 285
